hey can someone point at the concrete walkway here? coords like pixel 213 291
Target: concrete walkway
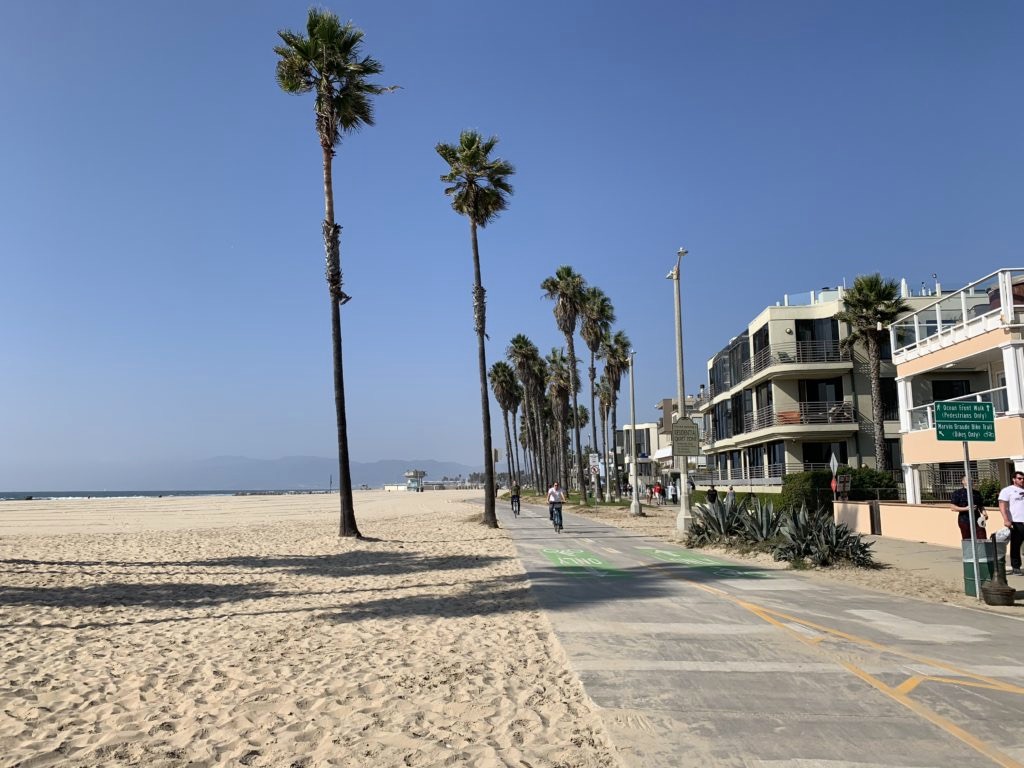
pixel 701 661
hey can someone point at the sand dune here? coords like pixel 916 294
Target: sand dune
pixel 242 631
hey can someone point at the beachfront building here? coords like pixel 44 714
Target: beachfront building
pixel 964 346
pixel 785 396
pixel 639 445
pixel 669 408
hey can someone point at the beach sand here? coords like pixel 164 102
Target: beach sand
pixel 207 631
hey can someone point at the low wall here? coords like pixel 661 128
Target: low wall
pixel 930 523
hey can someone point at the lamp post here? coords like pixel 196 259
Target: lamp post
pixel 683 519
pixel 634 506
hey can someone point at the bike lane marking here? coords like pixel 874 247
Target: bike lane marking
pixel 580 561
pixel 704 563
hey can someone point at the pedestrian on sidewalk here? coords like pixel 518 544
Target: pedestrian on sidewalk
pixel 958 503
pixel 712 495
pixel 1011 504
pixel 730 497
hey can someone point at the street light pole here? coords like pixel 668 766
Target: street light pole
pixel 634 507
pixel 683 519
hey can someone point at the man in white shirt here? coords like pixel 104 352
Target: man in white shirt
pixel 555 496
pixel 1011 504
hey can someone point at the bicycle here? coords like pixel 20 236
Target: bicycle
pixel 515 506
pixel 556 516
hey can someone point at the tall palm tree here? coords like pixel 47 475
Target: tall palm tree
pixel 328 61
pixel 559 383
pixel 605 395
pixel 870 307
pixel 565 288
pixel 598 316
pixel 503 384
pixel 479 187
pixel 523 355
pixel 615 352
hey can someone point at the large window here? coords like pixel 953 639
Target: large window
pixel 823 329
pixel 890 400
pixel 760 338
pixel 818 455
pixel 821 390
pixel 947 389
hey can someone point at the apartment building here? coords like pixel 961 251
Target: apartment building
pixel 640 445
pixel 785 396
pixel 964 346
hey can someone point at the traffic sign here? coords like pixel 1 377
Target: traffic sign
pixel 834 464
pixel 595 470
pixel 685 438
pixel 595 460
pixel 965 421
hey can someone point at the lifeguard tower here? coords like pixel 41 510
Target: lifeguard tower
pixel 414 480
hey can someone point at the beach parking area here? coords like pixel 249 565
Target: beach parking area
pixel 209 631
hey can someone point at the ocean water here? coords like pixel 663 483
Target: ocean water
pixel 16 495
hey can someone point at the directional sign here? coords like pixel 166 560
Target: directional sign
pixel 685 438
pixel 967 422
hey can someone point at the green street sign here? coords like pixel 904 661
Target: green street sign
pixel 963 421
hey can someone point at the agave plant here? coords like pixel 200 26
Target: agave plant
pixel 715 522
pixel 815 536
pixel 761 522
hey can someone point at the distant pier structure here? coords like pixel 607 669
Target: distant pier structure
pixel 414 480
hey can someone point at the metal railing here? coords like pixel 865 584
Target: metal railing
pixel 812 412
pixel 784 353
pixel 923 416
pixel 998 294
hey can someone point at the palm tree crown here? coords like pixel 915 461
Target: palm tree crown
pixel 328 60
pixel 869 307
pixel 478 184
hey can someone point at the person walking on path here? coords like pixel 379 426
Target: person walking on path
pixel 958 503
pixel 712 494
pixel 730 497
pixel 555 496
pixel 1011 504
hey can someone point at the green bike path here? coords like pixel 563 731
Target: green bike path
pixel 701 661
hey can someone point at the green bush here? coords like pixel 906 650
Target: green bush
pixel 814 536
pixel 800 488
pixel 868 484
pixel 989 489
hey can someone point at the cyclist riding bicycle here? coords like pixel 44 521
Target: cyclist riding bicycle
pixel 515 498
pixel 555 499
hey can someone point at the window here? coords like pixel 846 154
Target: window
pixel 821 390
pixel 947 389
pixel 760 338
pixel 820 454
pixel 890 401
pixel 894 454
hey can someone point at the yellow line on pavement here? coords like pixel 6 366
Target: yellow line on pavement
pixel 910 684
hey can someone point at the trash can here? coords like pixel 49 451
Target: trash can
pixel 985 554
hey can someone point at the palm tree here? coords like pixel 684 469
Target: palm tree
pixel 328 61
pixel 523 355
pixel 559 383
pixel 870 307
pixel 605 395
pixel 615 352
pixel 479 188
pixel 566 288
pixel 598 316
pixel 504 386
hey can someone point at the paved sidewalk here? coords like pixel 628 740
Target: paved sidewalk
pixel 702 661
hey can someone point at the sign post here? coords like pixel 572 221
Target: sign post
pixel 685 442
pixel 966 422
pixel 595 469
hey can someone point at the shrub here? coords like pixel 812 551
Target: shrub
pixel 714 523
pixel 989 489
pixel 868 484
pixel 760 521
pixel 800 488
pixel 814 536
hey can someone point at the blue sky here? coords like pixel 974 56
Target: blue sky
pixel 160 251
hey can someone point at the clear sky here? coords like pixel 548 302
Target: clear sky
pixel 161 261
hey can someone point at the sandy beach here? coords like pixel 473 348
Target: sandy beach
pixel 208 631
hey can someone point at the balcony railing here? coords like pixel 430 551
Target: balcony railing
pixel 815 412
pixel 999 297
pixel 785 353
pixel 923 416
pixel 767 474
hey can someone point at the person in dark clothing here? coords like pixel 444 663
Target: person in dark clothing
pixel 712 494
pixel 958 503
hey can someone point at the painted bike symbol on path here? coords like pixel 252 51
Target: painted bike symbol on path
pixel 579 561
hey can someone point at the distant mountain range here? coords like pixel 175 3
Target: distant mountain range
pixel 231 473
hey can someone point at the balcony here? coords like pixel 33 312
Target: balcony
pixel 824 412
pixel 995 300
pixel 801 353
pixel 923 416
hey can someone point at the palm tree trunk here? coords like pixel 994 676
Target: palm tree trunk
pixel 615 445
pixel 479 318
pixel 515 444
pixel 593 416
pixel 604 448
pixel 877 418
pixel 573 384
pixel 508 447
pixel 332 246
